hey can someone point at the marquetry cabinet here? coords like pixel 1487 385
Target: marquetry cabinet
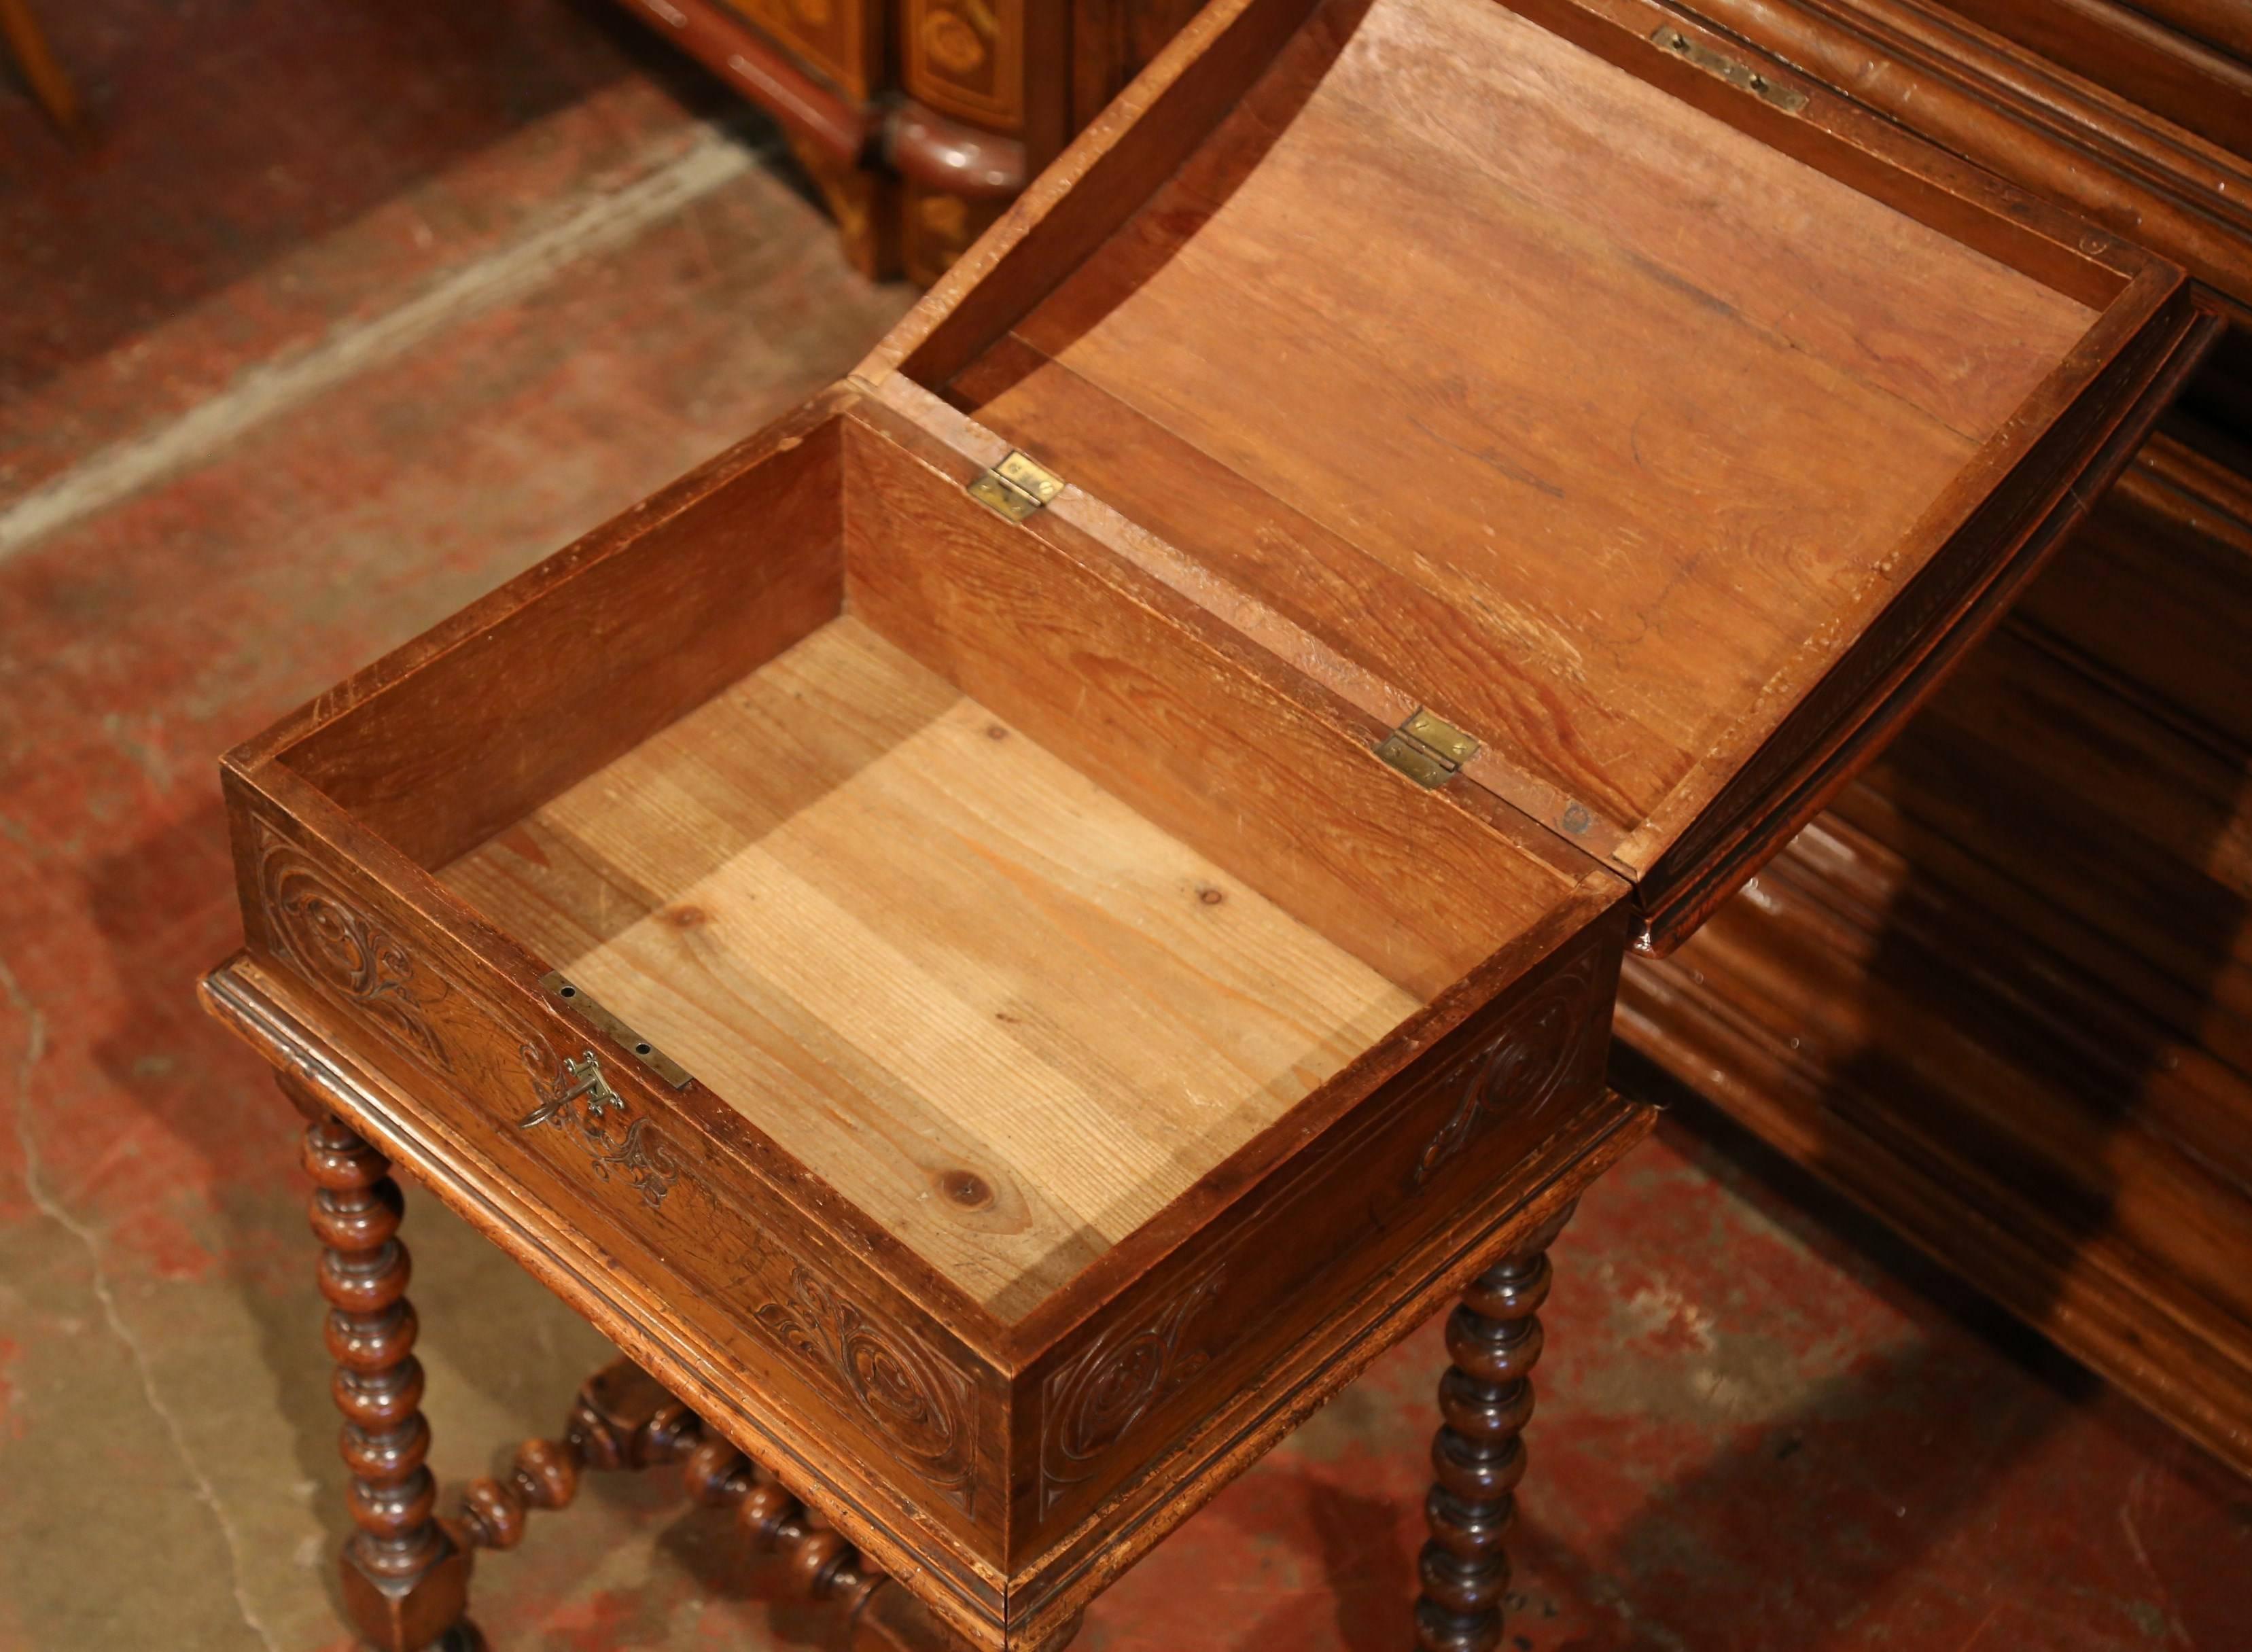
pixel 1009 934
pixel 922 120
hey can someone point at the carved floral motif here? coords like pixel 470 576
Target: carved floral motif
pixel 1090 1404
pixel 1518 1072
pixel 913 1400
pixel 631 1149
pixel 342 951
pixel 348 955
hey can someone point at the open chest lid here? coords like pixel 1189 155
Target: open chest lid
pixel 1618 422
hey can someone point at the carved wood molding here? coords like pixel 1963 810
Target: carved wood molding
pixel 345 949
pixel 2224 25
pixel 714 34
pixel 1090 1404
pixel 1520 1069
pixel 345 953
pixel 911 1400
pixel 2013 111
pixel 944 154
pixel 632 1148
pixel 2194 68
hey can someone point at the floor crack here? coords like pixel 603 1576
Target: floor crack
pixel 35 1043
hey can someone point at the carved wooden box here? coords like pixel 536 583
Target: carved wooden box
pixel 1010 933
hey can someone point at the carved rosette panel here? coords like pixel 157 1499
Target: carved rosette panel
pixel 1090 1404
pixel 344 952
pixel 914 1401
pixel 1543 1040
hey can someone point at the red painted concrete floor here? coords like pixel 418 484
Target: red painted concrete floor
pixel 356 309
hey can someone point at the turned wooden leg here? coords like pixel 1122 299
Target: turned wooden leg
pixel 1486 1398
pixel 406 1580
pixel 406 1572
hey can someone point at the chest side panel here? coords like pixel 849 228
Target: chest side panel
pixel 823 1346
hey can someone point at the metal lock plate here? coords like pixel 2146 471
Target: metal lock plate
pixel 649 1055
pixel 1735 71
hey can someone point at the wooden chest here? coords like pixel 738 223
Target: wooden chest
pixel 1009 934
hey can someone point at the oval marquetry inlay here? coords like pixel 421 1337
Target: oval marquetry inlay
pixel 953 45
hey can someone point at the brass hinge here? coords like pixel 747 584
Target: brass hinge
pixel 644 1051
pixel 1427 749
pixel 1735 71
pixel 1016 487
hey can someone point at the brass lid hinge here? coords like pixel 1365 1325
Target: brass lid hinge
pixel 1427 749
pixel 1016 487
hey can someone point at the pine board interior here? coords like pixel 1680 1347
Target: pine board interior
pixel 1574 411
pixel 995 1008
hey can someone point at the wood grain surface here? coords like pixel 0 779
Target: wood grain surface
pixel 596 648
pixel 1003 1013
pixel 1639 465
pixel 1224 745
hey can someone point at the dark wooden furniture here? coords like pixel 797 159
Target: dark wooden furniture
pixel 922 120
pixel 1008 935
pixel 2002 992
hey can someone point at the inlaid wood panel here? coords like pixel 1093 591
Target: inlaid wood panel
pixel 843 40
pixel 966 57
pixel 997 1008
